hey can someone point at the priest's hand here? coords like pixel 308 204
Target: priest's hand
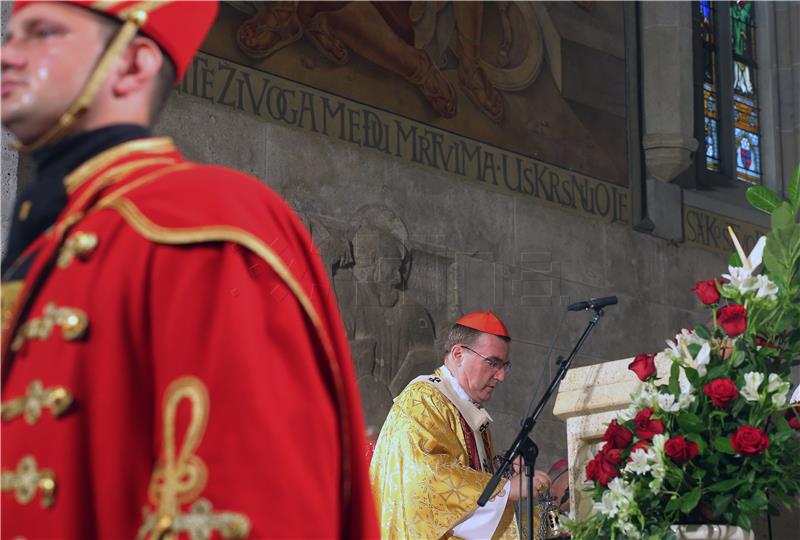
pixel 519 484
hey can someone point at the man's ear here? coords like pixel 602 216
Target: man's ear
pixel 138 67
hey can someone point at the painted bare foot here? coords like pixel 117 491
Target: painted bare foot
pixel 480 90
pixel 269 30
pixel 436 89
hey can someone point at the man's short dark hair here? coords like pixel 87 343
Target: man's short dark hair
pixel 165 78
pixel 464 335
pixel 162 89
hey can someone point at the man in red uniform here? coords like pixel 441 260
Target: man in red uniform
pixel 173 361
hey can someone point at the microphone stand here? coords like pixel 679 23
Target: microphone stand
pixel 523 445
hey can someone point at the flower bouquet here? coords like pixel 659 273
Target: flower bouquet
pixel 715 441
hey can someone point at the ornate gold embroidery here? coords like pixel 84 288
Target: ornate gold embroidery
pixel 11 291
pixel 80 245
pixel 199 523
pixel 181 236
pixel 56 398
pixel 73 323
pixel 153 145
pixel 180 476
pixel 27 479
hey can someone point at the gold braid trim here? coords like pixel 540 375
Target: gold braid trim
pixel 181 475
pixel 224 233
pixel 127 32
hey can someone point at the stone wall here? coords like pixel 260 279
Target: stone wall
pixel 470 248
pixel 410 248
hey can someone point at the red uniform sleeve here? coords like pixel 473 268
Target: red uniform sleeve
pixel 267 446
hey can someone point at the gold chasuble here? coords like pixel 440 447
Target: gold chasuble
pixel 425 472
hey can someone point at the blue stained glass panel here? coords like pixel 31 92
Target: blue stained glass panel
pixel 712 144
pixel 748 156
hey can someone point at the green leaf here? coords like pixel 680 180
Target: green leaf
pixel 735 260
pixel 783 216
pixel 782 253
pixel 737 357
pixel 725 485
pixel 692 376
pixel 673 504
pixel 690 500
pixel 720 503
pixel 690 423
pixel 743 521
pixel 763 198
pixel 753 502
pixel 702 332
pixel 674 381
pixel 794 189
pixel 723 444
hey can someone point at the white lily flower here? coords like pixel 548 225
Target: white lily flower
pixel 607 505
pixel 666 403
pixel 659 471
pixel 621 489
pixel 639 461
pixel 741 279
pixel 702 359
pixel 779 389
pixel 752 261
pixel 766 288
pixel 689 337
pixel 659 441
pixel 779 399
pixel 687 396
pixel 627 414
pixel 775 383
pixel 752 380
pixel 685 401
pixel 645 396
pixel 630 530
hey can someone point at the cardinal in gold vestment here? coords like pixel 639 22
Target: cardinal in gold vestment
pixel 434 454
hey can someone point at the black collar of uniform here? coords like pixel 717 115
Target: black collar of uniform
pixel 57 160
pixel 46 196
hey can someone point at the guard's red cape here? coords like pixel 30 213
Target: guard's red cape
pixel 175 361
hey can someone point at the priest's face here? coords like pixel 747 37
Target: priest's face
pixel 49 52
pixel 472 366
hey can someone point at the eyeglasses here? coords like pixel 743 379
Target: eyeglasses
pixel 494 363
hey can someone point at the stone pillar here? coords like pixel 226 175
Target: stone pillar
pixel 8 162
pixel 588 399
pixel 667 109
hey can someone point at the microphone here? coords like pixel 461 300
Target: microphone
pixel 593 303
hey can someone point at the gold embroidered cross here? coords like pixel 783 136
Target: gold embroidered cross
pixel 56 398
pixel 199 523
pixel 27 479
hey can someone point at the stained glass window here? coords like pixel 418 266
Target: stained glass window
pixel 711 121
pixel 730 122
pixel 745 97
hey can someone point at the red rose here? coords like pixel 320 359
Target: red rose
pixel 793 416
pixel 680 450
pixel 617 436
pixel 604 467
pixel 749 440
pixel 722 392
pixel 646 428
pixel 641 445
pixel 707 292
pixel 732 319
pixel 643 365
